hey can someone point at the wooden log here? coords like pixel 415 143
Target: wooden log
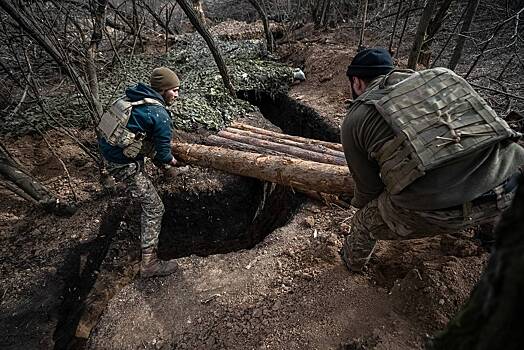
pixel 297 173
pixel 335 146
pixel 290 150
pixel 307 146
pixel 215 140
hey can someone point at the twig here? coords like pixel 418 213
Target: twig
pixel 404 26
pixel 499 27
pixel 69 181
pixel 395 26
pixel 505 67
pixel 449 38
pixel 15 110
pixel 520 98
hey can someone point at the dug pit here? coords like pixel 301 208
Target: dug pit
pixel 206 212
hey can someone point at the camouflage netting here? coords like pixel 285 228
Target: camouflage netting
pixel 203 101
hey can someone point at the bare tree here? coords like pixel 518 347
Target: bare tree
pixel 421 33
pixel 363 25
pixel 461 39
pixel 270 42
pixel 193 18
pixel 59 54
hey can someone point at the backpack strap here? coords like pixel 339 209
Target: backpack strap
pixel 147 101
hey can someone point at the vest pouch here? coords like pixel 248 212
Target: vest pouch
pixel 133 149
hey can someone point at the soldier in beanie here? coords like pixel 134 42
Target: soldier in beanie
pixel 426 152
pixel 150 124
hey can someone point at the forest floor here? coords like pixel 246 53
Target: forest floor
pixel 290 291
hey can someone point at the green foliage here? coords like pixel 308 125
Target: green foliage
pixel 203 101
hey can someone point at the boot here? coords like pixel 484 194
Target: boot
pixel 151 266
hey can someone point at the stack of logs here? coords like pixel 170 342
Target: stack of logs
pixel 304 164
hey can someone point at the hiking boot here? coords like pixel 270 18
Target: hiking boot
pixel 151 266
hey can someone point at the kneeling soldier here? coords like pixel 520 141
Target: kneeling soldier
pixel 426 152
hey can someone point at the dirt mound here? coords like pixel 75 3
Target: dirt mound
pixel 289 292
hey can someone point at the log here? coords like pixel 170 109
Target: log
pixel 289 150
pixel 297 173
pixel 215 140
pixel 307 146
pixel 335 146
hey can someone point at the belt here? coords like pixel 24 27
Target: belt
pixel 509 185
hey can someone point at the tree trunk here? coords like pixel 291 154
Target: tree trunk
pixel 270 42
pixel 394 29
pixel 26 186
pixel 199 9
pixel 298 139
pixel 421 33
pixel 433 28
pixel 363 25
pixel 461 39
pixel 193 18
pixel 297 173
pixel 99 15
pixel 492 317
pixel 325 10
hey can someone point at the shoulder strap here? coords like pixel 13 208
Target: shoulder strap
pixel 146 101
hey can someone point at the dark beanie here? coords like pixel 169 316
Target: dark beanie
pixel 163 78
pixel 370 63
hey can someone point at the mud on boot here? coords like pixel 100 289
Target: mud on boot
pixel 152 266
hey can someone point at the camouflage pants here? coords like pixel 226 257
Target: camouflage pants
pixel 141 188
pixel 381 219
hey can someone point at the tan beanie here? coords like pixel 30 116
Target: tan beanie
pixel 163 78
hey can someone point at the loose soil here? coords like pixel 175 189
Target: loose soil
pixel 286 288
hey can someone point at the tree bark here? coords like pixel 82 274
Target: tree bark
pixel 363 25
pixel 394 29
pixel 492 317
pixel 193 18
pixel 297 173
pixel 270 42
pixel 330 145
pixel 199 10
pixel 421 33
pixel 289 150
pixel 215 140
pixel 99 15
pixel 461 39
pixel 306 146
pixel 434 26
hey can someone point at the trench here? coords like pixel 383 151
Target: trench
pixel 236 213
pixel 291 116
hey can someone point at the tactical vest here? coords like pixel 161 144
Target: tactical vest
pixel 436 117
pixel 113 126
